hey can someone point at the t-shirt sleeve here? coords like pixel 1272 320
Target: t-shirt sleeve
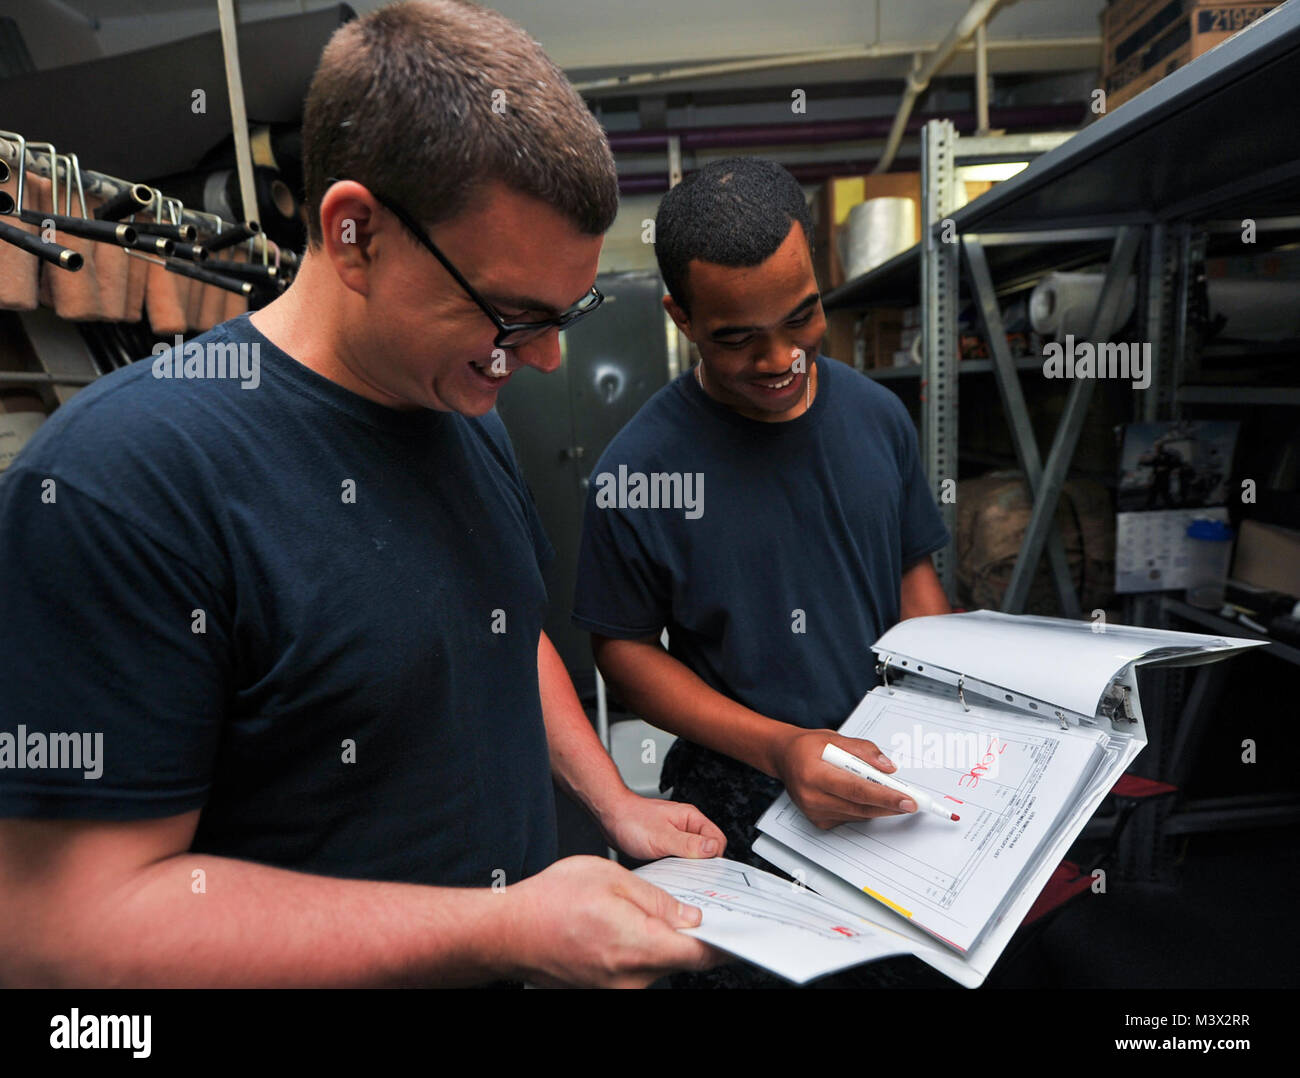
pixel 621 591
pixel 496 429
pixel 114 671
pixel 921 526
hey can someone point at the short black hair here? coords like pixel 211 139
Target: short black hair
pixel 733 212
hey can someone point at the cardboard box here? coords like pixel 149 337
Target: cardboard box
pixel 1129 25
pixel 840 341
pixel 840 194
pixel 1147 41
pixel 882 331
pixel 1268 556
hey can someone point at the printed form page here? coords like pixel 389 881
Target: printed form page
pixel 1008 779
pixel 771 922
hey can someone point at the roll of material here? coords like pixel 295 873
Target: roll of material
pixel 1063 303
pixel 877 229
pixel 1255 310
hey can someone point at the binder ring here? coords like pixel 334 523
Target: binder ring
pixel 961 695
pixel 882 668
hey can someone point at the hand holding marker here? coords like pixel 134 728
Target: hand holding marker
pixel 836 756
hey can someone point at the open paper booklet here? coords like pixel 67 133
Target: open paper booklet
pixel 1020 724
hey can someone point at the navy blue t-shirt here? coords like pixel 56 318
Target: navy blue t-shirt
pixel 776 582
pixel 311 616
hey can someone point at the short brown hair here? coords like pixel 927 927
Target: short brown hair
pixel 425 101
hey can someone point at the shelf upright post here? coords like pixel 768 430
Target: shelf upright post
pixel 1191 257
pixel 1158 397
pixel 939 283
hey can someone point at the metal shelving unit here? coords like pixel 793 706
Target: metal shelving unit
pixel 1152 187
pixel 1214 142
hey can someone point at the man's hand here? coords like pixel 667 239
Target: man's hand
pixel 647 829
pixel 828 795
pixel 587 921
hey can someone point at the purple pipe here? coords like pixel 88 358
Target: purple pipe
pixel 802 133
pixel 645 183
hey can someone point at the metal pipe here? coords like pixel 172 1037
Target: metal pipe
pixel 228 237
pixel 917 81
pixel 981 80
pixel 63 257
pixel 86 227
pixel 621 83
pixel 179 233
pixel 99 184
pixel 642 183
pixel 41 378
pixel 238 111
pixel 130 200
pixel 818 132
pixel 220 280
pixel 253 271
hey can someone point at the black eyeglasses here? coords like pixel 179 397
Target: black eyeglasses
pixel 509 334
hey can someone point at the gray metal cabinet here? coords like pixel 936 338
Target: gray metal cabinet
pixel 560 424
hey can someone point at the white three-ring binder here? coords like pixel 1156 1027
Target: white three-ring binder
pixel 1054 702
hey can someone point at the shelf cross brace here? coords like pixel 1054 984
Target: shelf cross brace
pixel 1043 517
pixel 1013 406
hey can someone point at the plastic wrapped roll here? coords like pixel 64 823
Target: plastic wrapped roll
pixel 1063 303
pixel 1255 310
pixel 877 229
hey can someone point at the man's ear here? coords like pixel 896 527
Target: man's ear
pixel 679 316
pixel 349 221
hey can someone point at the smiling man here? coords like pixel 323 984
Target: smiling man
pixel 306 618
pixel 814 535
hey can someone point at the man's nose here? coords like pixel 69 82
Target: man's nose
pixel 542 352
pixel 777 354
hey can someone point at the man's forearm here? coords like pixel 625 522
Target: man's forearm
pixel 921 592
pixel 257 926
pixel 579 762
pixel 670 696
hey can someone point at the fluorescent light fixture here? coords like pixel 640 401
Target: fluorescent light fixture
pixel 999 170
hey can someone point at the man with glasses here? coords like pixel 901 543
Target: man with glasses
pixel 297 627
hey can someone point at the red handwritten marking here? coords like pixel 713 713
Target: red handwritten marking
pixel 977 772
pixel 843 931
pixel 949 797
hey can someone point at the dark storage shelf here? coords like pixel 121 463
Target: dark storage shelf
pixel 1219 137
